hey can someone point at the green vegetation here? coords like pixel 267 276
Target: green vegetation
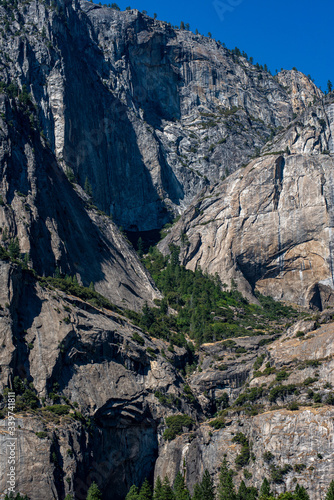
pixel 277 473
pixel 93 492
pixel 330 399
pixel 168 400
pixel 268 456
pixel 250 395
pixel 13 91
pixel 226 486
pixel 41 434
pixel 70 175
pixel 259 361
pixel 70 285
pixel 58 409
pixel 18 496
pixel 205 489
pixel 137 338
pixel 218 423
pixel 330 492
pixel 243 458
pixel 88 188
pixel 299 467
pixel 282 375
pixel 205 310
pixel 310 381
pixel 26 397
pixel 293 406
pixel 175 426
pixel 281 391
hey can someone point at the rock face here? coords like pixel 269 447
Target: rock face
pixel 50 337
pixel 54 220
pixel 292 438
pixel 117 109
pixel 301 438
pixel 148 114
pixel 120 385
pixel 269 225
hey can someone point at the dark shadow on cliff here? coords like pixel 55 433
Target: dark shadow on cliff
pixel 101 143
pixel 25 307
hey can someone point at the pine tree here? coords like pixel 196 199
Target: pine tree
pixel 167 492
pixel 93 492
pixel 140 247
pixel 88 188
pixel 14 248
pixel 133 493
pixel 207 487
pixel 147 318
pixel 197 492
pixel 243 491
pixel 330 492
pixel 158 490
pixel 26 260
pixel 145 491
pixel 265 489
pixel 70 175
pixel 226 486
pixel 301 493
pixel 329 86
pixel 182 25
pixel 180 489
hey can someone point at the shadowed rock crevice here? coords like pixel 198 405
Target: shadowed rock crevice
pixel 279 169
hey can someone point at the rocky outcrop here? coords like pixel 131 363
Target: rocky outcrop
pixel 269 225
pixel 102 370
pixel 277 437
pixel 293 438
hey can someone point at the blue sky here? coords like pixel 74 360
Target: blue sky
pixel 281 34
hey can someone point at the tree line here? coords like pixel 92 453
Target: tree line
pixel 226 489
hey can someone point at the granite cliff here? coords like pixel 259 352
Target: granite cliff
pixel 174 111
pixel 269 225
pixel 115 119
pixel 93 393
